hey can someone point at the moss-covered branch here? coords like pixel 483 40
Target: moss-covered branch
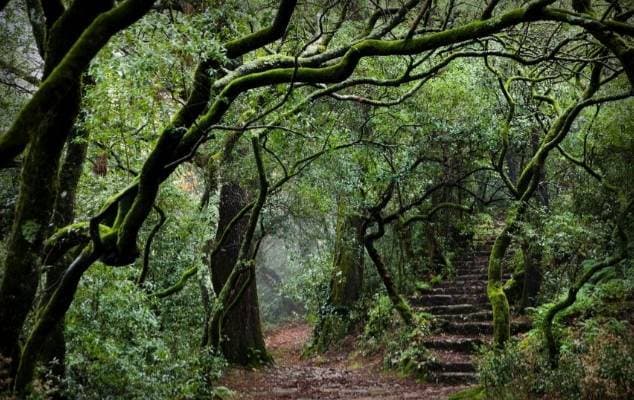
pixel 66 73
pixel 245 44
pixel 179 285
pixel 399 303
pixel 620 235
pixel 526 186
pixel 48 317
pixel 341 70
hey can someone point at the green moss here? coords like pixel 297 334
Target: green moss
pixel 178 286
pixel 501 313
pixel 475 393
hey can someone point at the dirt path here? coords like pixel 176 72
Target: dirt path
pixel 328 377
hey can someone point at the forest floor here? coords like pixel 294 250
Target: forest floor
pixel 344 374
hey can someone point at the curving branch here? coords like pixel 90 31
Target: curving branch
pixel 61 80
pixel 148 246
pixel 621 237
pixel 178 286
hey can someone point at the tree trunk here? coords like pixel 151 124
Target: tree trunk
pixel 532 276
pixel 495 288
pixel 399 303
pixel 242 341
pixel 347 273
pixel 38 191
pixel 346 282
pixel 64 213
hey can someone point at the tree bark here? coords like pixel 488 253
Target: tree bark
pixel 532 276
pixel 44 124
pixel 347 274
pixel 346 282
pixel 64 213
pixel 242 341
pixel 399 303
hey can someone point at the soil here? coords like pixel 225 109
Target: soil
pixel 342 374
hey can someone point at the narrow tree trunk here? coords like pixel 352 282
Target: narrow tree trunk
pixel 242 341
pixel 399 303
pixel 495 289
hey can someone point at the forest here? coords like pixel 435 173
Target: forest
pixel 317 199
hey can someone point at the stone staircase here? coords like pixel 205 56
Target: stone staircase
pixel 463 318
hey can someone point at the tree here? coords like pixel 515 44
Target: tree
pixel 111 235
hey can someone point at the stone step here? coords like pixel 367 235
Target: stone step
pixel 461 282
pixel 471 267
pixel 478 276
pixel 459 290
pixel 480 327
pixel 465 344
pixel 473 258
pixel 450 361
pixel 453 378
pixel 451 366
pixel 474 316
pixel 471 277
pixel 455 308
pixel 448 299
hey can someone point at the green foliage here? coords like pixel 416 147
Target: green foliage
pixel 331 329
pixel 407 353
pixel 381 317
pixel 596 354
pixel 122 341
pixel 422 286
pixel 307 283
pixel 474 393
pixel 18 49
pixel 117 348
pixel 436 279
pixel 403 346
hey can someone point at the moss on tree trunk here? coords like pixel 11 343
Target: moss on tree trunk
pixel 346 282
pixel 242 341
pixel 38 192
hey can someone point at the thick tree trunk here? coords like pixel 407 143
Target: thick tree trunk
pixel 55 350
pixel 242 341
pixel 45 130
pixel 346 282
pixel 347 274
pixel 38 192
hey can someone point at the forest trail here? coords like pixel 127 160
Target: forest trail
pixel 332 376
pixel 462 323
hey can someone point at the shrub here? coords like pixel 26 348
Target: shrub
pixel 404 349
pixel 596 362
